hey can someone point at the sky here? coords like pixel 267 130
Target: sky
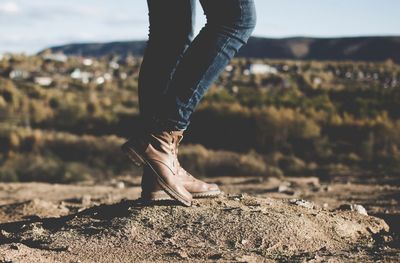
pixel 31 25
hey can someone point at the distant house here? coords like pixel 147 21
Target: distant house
pixel 113 65
pixel 100 80
pixel 18 74
pixel 83 76
pixel 262 69
pixel 87 62
pixel 103 78
pixel 43 81
pixel 229 68
pixel 56 57
pixel 317 81
pixel 123 75
pixel 5 56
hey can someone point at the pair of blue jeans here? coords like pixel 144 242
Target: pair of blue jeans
pixel 177 70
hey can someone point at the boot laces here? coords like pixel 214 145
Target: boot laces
pixel 177 142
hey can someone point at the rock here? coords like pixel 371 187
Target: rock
pixel 283 187
pixel 303 203
pixel 4 234
pixel 387 239
pixel 248 259
pixel 120 185
pixel 14 247
pixel 182 254
pixel 360 209
pixel 354 207
pixel 86 200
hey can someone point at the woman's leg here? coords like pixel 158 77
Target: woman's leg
pixel 230 23
pixel 229 26
pixel 170 33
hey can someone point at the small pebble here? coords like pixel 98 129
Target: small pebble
pixel 303 203
pixel 86 200
pixel 355 208
pixel 120 185
pixel 283 188
pixel 14 247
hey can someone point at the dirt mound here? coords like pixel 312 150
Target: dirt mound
pixel 240 228
pixel 31 209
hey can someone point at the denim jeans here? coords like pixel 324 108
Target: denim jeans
pixel 177 70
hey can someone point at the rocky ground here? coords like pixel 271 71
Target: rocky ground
pixel 276 220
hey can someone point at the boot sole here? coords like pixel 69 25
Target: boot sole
pixel 163 196
pixel 138 160
pixel 213 193
pixel 156 196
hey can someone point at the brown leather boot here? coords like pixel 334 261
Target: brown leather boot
pixel 151 190
pixel 199 189
pixel 157 152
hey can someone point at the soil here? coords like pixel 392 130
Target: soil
pixel 255 220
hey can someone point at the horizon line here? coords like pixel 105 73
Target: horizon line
pixel 145 39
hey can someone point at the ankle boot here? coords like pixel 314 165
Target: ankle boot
pixel 152 191
pixel 157 152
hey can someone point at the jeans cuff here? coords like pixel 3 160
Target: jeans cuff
pixel 158 125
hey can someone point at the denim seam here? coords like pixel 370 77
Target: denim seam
pixel 198 84
pixel 241 10
pixel 223 47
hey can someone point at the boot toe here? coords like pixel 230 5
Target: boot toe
pixel 213 187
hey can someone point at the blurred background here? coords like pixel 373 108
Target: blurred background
pixel 315 92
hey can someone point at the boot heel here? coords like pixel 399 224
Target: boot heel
pixel 133 155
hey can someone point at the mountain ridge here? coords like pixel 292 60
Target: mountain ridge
pixel 373 48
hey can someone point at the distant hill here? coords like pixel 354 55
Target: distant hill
pixel 305 48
